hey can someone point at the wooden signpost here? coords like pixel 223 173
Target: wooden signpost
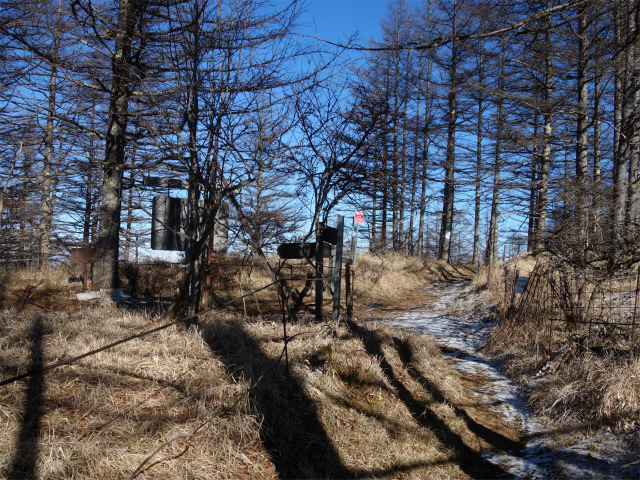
pixel 292 251
pixel 83 256
pixel 336 272
pixel 358 218
pixel 331 241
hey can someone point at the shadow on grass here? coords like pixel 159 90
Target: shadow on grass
pixel 470 461
pixel 494 438
pixel 26 453
pixel 291 432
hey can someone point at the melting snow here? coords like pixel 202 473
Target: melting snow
pixel 452 324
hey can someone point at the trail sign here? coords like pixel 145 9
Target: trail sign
pixel 358 216
pixel 82 255
pixel 330 235
pixel 291 251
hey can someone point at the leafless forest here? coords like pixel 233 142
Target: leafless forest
pixel 466 131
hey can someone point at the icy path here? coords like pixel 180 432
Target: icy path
pixel 449 319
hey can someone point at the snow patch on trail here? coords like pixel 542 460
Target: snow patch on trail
pixel 455 323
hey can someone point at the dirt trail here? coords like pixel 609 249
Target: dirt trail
pixel 459 322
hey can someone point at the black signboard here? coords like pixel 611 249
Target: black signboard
pixel 330 235
pixel 290 251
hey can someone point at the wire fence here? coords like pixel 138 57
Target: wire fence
pixel 599 305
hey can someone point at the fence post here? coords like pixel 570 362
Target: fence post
pixel 632 350
pixel 348 293
pixel 506 284
pixel 515 284
pixel 338 273
pixel 319 270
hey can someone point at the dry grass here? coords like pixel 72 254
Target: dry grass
pixel 523 263
pixel 99 417
pixel 377 279
pixel 215 401
pixel 593 389
pixel 37 286
pixel 573 374
pixel 380 278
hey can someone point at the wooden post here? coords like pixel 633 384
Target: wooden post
pixel 338 272
pixel 319 270
pixel 348 293
pixel 506 284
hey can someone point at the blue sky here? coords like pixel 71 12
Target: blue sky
pixel 336 19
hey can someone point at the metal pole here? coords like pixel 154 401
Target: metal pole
pixel 354 244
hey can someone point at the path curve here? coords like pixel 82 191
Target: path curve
pixel 458 320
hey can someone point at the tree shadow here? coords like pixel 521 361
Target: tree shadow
pixel 26 454
pixel 493 438
pixel 471 462
pixel 290 431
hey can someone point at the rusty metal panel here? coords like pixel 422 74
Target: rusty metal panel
pixel 82 255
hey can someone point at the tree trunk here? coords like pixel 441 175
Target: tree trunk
pixel 448 192
pixel 446 229
pixel 632 132
pixel 490 253
pixel 621 143
pixel 129 223
pixel 582 143
pixel 478 179
pixel 46 200
pixel 108 241
pixel 545 159
pixel 395 179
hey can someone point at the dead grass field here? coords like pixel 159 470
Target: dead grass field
pixel 217 400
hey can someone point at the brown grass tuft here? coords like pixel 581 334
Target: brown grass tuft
pixel 574 374
pixel 383 277
pixel 103 416
pixel 591 389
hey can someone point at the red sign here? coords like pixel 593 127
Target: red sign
pixel 358 217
